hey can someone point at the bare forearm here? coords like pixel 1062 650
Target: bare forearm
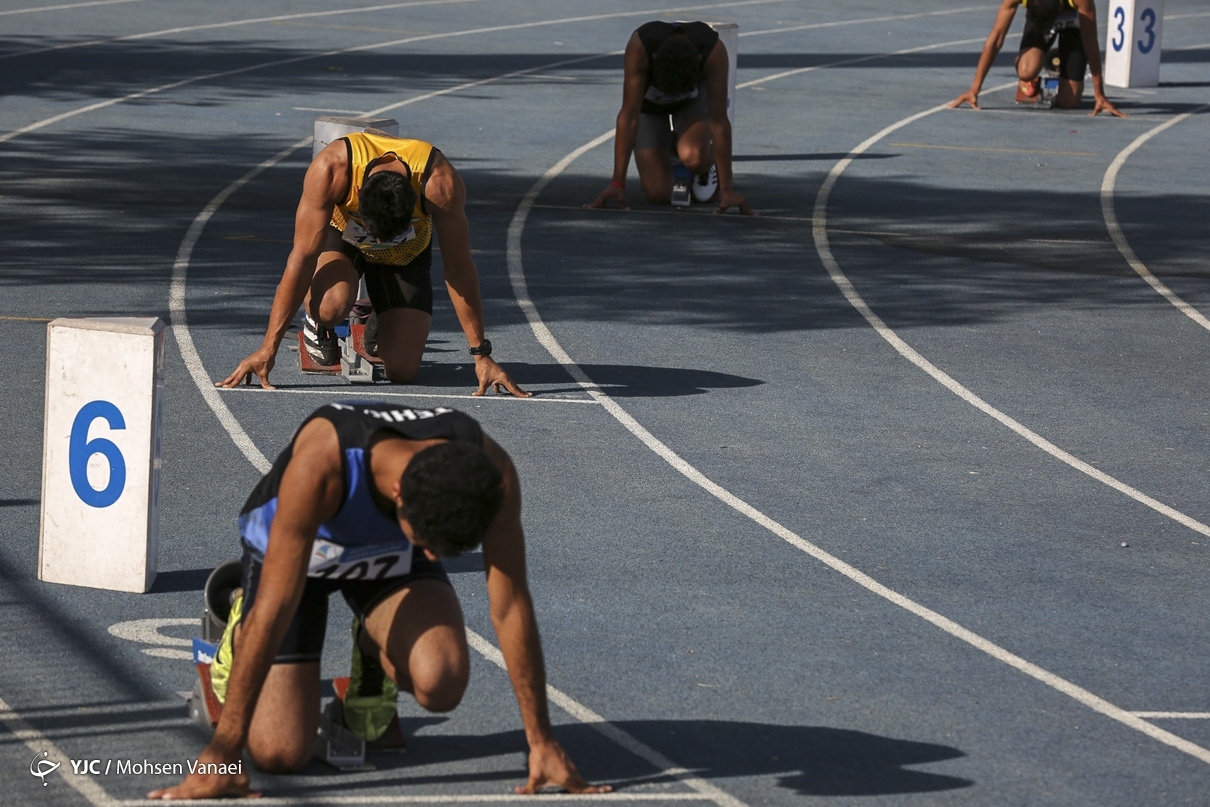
pixel 623 145
pixel 462 283
pixel 517 631
pixel 720 134
pixel 258 641
pixel 991 49
pixel 289 296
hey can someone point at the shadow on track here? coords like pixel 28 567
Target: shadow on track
pixel 808 760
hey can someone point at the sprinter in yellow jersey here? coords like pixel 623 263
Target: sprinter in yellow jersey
pixel 1070 23
pixel 370 206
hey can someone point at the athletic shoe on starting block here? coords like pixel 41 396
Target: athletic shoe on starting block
pixel 1050 91
pixel 355 363
pixel 682 178
pixel 203 705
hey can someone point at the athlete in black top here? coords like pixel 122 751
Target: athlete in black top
pixel 1075 50
pixel 366 499
pixel 674 84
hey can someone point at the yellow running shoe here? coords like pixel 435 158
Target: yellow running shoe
pixel 370 700
pixel 220 668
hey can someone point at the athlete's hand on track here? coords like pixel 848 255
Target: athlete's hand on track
pixel 730 199
pixel 969 97
pixel 1102 104
pixel 549 766
pixel 492 374
pixel 611 194
pixel 258 364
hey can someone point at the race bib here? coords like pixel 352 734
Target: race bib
pixel 372 562
pixel 356 235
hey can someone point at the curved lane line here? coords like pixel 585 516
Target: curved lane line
pixel 820 232
pixel 1115 229
pixel 193 362
pixel 544 336
pixel 355 49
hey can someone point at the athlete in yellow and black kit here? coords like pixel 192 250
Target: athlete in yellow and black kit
pixel 1073 24
pixel 370 206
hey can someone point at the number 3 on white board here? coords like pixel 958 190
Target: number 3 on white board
pixel 1119 38
pixel 1148 20
pixel 81 449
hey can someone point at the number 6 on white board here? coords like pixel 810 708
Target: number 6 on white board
pixel 81 450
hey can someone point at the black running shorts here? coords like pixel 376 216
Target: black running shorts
pixel 390 286
pixel 1039 33
pixel 304 639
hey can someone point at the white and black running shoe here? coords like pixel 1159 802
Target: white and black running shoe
pixel 705 185
pixel 320 342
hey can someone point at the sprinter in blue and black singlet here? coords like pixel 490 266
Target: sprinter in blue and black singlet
pixel 365 501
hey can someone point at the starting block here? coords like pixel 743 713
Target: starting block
pixel 355 363
pixel 334 743
pixel 682 178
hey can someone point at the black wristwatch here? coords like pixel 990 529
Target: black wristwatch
pixel 484 349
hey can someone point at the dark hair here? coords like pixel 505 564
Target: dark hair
pixel 451 493
pixel 386 203
pixel 676 65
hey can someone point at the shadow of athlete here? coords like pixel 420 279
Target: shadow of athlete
pixel 677 71
pixel 1078 49
pixel 391 490
pixel 370 206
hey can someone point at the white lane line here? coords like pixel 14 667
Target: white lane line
pixel 1174 715
pixel 147 631
pixel 357 49
pixel 66 6
pixel 74 710
pixel 38 744
pixel 114 728
pixel 253 21
pixel 193 362
pixel 622 738
pixel 850 293
pixel 546 338
pixel 800 70
pixel 863 21
pixel 1115 229
pixel 342 392
pixel 822 246
pixel 230 24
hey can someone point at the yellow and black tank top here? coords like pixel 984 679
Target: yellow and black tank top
pixel 362 149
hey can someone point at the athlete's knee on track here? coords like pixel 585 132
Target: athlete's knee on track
pixel 284 755
pixel 440 681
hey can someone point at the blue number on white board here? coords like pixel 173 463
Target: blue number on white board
pixel 1119 13
pixel 1148 17
pixel 81 449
